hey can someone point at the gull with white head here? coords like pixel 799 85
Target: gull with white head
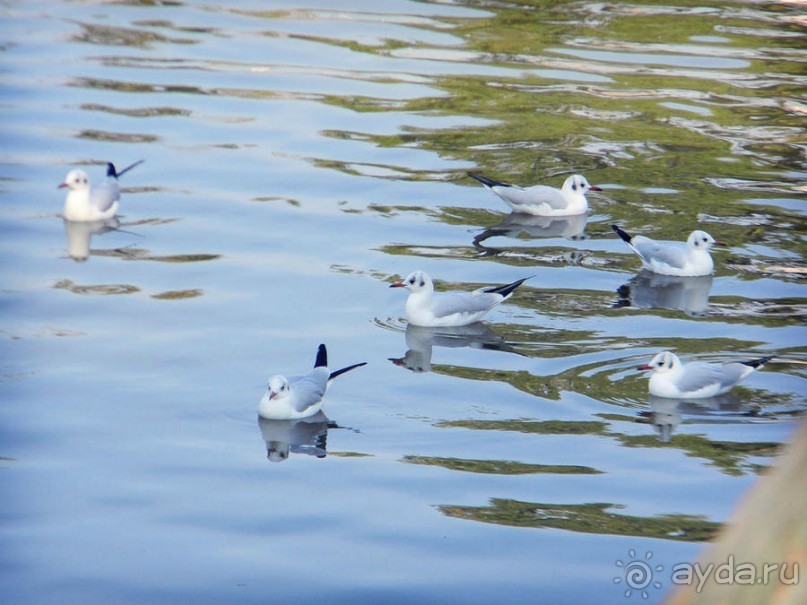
pixel 86 202
pixel 300 396
pixel 684 259
pixel 543 200
pixel 698 379
pixel 426 308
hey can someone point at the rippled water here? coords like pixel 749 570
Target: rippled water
pixel 298 157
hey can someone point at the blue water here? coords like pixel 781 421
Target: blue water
pixel 299 157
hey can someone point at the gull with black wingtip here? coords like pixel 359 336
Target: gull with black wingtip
pixel 86 202
pixel 543 200
pixel 426 308
pixel 698 379
pixel 684 259
pixel 300 396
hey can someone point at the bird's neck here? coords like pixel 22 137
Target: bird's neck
pixel 576 201
pixel 701 258
pixel 418 300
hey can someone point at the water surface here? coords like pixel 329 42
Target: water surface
pixel 301 155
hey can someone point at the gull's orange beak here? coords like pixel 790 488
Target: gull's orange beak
pixel 61 185
pixel 594 188
pixel 645 367
pixel 397 284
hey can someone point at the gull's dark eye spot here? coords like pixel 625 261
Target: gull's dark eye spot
pixel 574 186
pixel 422 283
pixel 412 281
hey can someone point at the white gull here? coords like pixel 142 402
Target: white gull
pixel 684 259
pixel 543 200
pixel 698 379
pixel 426 308
pixel 86 202
pixel 302 395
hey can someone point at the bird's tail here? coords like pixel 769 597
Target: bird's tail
pixel 758 363
pixel 486 181
pixel 110 169
pixel 347 369
pixel 322 357
pixel 508 289
pixel 626 237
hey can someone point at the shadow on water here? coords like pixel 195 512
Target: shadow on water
pixel 666 414
pixel 79 235
pixel 304 436
pixel 517 225
pixel 421 341
pixel 649 290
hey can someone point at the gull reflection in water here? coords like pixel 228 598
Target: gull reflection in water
pixel 666 414
pixel 648 290
pixel 518 223
pixel 79 235
pixel 420 341
pixel 307 436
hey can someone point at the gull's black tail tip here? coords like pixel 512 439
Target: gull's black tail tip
pixel 509 288
pixel 758 363
pixel 322 357
pixel 347 369
pixel 626 237
pixel 486 181
pixel 110 169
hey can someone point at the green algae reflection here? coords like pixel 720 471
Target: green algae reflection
pixel 501 467
pixel 590 518
pixel 731 458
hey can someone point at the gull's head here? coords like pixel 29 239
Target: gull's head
pixel 278 387
pixel 417 281
pixel 76 180
pixel 662 363
pixel 277 451
pixel 700 240
pixel 578 184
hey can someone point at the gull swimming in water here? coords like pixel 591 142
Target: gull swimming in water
pixel 698 379
pixel 85 202
pixel 684 259
pixel 426 308
pixel 543 200
pixel 300 396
